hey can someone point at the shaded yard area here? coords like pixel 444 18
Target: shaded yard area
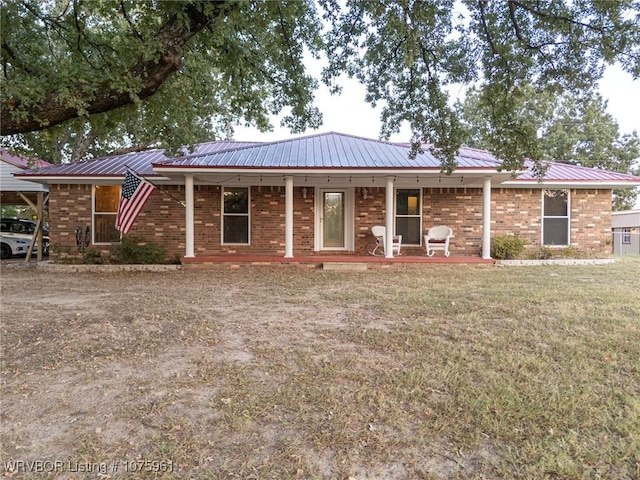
pixel 429 372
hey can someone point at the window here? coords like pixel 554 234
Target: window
pixel 555 218
pixel 235 217
pixel 105 209
pixel 626 236
pixel 408 216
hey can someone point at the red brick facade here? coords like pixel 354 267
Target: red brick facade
pixel 163 218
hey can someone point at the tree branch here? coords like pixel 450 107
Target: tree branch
pixel 540 13
pixel 102 96
pixel 481 7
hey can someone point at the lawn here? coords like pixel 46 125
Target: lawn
pixel 427 372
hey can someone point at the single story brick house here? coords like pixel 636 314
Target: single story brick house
pixel 321 194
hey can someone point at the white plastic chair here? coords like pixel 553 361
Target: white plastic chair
pixel 379 232
pixel 437 238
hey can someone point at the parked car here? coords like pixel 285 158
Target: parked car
pixel 10 246
pixel 20 228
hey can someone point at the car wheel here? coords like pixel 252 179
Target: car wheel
pixel 5 251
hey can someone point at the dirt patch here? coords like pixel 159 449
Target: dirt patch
pixel 172 367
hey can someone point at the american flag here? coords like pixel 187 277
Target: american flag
pixel 135 192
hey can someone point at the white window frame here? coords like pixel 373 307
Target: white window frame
pixel 567 216
pixel 94 213
pixel 626 236
pixel 419 215
pixel 223 215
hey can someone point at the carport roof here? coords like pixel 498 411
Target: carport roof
pixel 23 162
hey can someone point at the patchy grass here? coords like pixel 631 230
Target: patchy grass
pixel 432 372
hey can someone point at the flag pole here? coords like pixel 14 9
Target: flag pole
pixel 181 202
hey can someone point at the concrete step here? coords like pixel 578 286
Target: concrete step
pixel 344 266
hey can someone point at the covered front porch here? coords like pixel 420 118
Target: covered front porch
pixel 306 212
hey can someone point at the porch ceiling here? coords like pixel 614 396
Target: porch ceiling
pixel 459 178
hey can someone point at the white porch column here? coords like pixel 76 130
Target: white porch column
pixel 486 218
pixel 189 218
pixel 388 239
pixel 288 217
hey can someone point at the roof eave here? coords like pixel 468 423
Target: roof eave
pixel 190 169
pixel 81 179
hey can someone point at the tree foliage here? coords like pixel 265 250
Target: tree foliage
pixel 570 129
pixel 136 72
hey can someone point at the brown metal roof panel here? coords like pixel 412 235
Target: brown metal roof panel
pixel 23 162
pixel 567 172
pixel 140 162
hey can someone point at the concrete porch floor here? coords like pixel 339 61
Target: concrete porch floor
pixel 317 261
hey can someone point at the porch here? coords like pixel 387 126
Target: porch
pixel 318 261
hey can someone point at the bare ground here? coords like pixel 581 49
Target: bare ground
pixel 245 374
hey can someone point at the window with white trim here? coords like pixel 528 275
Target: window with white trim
pixel 106 199
pixel 555 218
pixel 235 215
pixel 409 215
pixel 626 236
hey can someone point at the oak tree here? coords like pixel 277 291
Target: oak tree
pixel 570 129
pixel 179 72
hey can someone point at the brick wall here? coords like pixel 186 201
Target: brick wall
pixel 162 219
pixel 520 211
pixel 517 211
pixel 591 220
pixel 69 208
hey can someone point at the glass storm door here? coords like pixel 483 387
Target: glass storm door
pixel 333 220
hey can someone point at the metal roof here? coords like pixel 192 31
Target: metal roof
pixel 575 173
pixel 329 150
pixel 625 219
pixel 140 162
pixel 22 162
pixel 322 151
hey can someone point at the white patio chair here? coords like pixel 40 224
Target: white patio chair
pixel 437 238
pixel 379 232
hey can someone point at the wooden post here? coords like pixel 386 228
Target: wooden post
pixel 40 213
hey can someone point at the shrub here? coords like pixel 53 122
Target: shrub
pixel 92 256
pixel 134 250
pixel 544 253
pixel 507 247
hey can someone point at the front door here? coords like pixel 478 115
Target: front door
pixel 333 217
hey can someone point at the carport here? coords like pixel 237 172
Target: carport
pixel 14 191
